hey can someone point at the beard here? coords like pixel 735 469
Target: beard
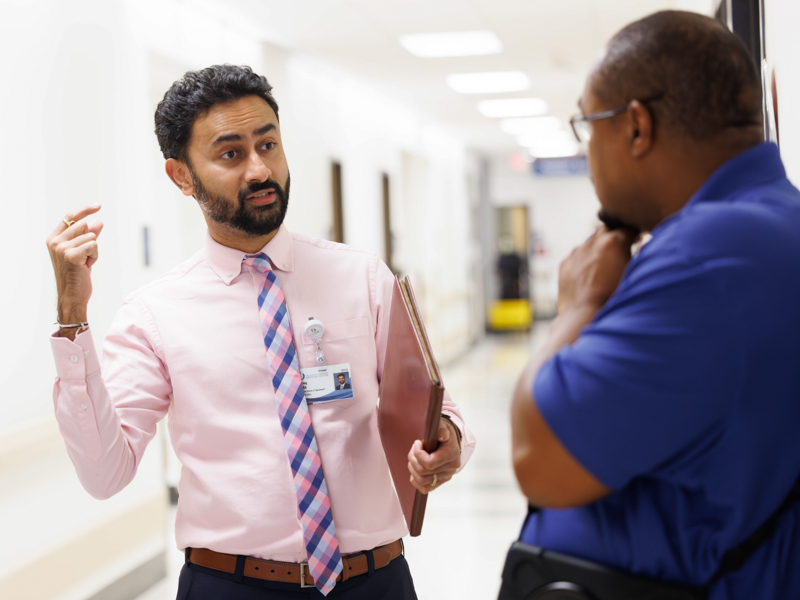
pixel 611 222
pixel 240 215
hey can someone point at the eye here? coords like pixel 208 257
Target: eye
pixel 229 154
pixel 269 145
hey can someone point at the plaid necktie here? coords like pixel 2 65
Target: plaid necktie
pixel 314 506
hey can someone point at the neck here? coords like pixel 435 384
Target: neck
pixel 688 165
pixel 233 238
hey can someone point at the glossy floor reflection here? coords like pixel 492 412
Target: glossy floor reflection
pixel 471 521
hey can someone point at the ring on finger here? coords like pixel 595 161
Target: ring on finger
pixel 433 483
pixel 67 222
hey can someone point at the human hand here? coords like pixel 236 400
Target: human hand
pixel 428 471
pixel 73 251
pixel 591 273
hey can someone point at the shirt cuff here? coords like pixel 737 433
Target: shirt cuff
pixel 74 360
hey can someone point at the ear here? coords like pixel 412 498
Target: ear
pixel 640 124
pixel 178 172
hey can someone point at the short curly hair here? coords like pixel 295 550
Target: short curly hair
pixel 194 94
pixel 707 77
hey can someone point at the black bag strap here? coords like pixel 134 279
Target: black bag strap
pixel 734 558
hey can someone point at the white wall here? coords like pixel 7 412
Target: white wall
pixel 78 128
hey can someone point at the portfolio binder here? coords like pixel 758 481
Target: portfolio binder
pixel 411 393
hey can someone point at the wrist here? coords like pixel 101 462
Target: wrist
pixel 72 314
pixel 454 427
pixel 578 311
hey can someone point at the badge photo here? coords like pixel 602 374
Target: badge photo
pixel 327 384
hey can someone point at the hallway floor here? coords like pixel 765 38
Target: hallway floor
pixel 471 521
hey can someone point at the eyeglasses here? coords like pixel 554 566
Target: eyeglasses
pixel 580 123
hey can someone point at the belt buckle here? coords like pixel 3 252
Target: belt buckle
pixel 303 583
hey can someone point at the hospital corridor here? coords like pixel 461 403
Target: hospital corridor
pixel 287 280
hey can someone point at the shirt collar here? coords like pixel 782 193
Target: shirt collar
pixel 227 262
pixel 754 167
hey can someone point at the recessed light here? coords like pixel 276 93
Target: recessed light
pixel 489 83
pixel 451 43
pixel 513 107
pixel 524 125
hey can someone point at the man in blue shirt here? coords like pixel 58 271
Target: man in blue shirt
pixel 659 426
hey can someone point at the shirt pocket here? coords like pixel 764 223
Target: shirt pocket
pixel 343 342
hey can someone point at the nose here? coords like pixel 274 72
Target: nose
pixel 256 171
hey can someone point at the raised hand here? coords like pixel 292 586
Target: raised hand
pixel 588 276
pixel 73 251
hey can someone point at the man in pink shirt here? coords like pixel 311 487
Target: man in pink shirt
pixel 278 494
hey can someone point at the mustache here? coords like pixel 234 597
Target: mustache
pixel 257 186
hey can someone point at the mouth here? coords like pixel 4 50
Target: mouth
pixel 263 197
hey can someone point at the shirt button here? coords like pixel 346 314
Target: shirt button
pixel 230 274
pixel 85 354
pixel 73 358
pixel 83 406
pixel 285 265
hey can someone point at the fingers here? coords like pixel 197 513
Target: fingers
pixel 76 218
pixel 425 484
pixel 82 255
pixel 425 480
pixel 443 463
pixel 80 249
pixel 95 227
pixel 447 454
pixel 81 214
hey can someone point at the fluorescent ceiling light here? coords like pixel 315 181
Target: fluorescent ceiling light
pixel 452 43
pixel 489 83
pixel 554 149
pixel 525 125
pixel 513 107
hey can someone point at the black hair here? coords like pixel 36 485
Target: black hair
pixel 708 78
pixel 195 93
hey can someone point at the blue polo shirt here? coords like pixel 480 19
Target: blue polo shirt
pixel 683 394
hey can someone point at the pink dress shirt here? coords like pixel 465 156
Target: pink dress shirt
pixel 189 345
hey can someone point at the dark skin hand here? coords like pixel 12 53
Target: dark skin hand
pixel 548 474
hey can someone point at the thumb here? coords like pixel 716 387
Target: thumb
pixel 444 432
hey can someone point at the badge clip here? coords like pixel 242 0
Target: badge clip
pixel 314 330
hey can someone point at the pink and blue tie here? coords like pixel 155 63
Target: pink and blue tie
pixel 314 506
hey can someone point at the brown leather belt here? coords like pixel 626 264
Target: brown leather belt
pixel 272 570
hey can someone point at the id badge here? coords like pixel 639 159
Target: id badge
pixel 327 384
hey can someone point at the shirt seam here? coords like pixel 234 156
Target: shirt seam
pixel 153 329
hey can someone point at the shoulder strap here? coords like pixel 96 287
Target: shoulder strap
pixel 738 555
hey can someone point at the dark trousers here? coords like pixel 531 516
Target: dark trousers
pixel 392 582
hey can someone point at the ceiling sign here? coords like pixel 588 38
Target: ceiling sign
pixel 561 166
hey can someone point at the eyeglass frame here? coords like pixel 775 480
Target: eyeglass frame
pixel 606 114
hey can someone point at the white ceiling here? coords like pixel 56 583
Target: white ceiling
pixel 553 41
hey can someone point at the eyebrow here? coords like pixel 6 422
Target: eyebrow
pixel 235 137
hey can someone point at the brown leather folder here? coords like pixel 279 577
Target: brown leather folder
pixel 411 395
